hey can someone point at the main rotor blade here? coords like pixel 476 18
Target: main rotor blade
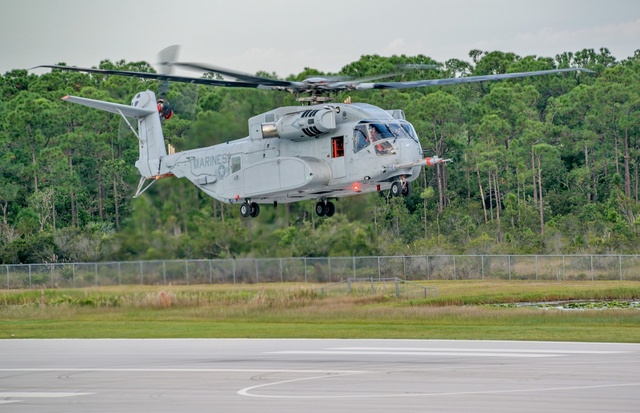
pixel 470 79
pixel 156 76
pixel 237 75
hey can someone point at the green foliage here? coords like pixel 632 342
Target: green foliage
pixel 545 164
pixel 462 309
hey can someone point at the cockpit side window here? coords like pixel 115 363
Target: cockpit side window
pixel 360 138
pixel 377 134
pixel 408 128
pixel 399 131
pixel 378 131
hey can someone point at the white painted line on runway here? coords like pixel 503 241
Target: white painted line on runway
pixel 247 391
pixel 170 370
pixel 482 350
pixel 20 396
pixel 38 395
pixel 416 353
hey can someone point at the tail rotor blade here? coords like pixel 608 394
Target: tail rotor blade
pixel 166 58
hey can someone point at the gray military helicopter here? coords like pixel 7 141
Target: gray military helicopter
pixel 321 150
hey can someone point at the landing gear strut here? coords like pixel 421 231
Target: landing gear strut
pixel 249 209
pixel 325 208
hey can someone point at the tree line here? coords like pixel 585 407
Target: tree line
pixel 540 165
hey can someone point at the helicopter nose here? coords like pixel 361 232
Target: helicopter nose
pixel 409 151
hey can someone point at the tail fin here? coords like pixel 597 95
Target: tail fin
pixel 151 140
pixel 150 135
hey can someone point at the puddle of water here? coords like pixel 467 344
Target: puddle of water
pixel 576 305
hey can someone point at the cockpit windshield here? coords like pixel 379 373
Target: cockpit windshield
pixel 380 133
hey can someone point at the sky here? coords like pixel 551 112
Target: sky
pixel 286 36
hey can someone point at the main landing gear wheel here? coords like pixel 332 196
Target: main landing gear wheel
pixel 331 209
pixel 255 210
pixel 321 209
pixel 324 208
pixel 245 209
pixel 249 209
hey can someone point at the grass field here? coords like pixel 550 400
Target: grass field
pixel 461 310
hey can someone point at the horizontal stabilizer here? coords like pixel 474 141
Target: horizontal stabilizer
pixel 117 108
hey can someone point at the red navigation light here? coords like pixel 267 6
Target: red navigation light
pixel 356 186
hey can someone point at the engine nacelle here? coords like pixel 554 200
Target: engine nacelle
pixel 301 125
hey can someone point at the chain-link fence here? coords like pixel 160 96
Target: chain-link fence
pixel 323 270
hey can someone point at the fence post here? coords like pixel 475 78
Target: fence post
pixel 378 267
pixel 397 288
pixel 255 260
pixel 305 268
pixel 186 266
pixel 233 269
pixel 210 273
pixel 509 267
pixel 73 274
pixel 95 270
pixel 454 267
pixel 164 272
pixel 620 266
pixel 482 266
pixel 30 286
pixel 8 283
pixel 119 274
pixel 141 279
pixel 428 274
pixel 536 268
pixel 281 275
pixel 591 256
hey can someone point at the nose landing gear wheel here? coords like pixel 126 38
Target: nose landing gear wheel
pixel 406 189
pixel 400 188
pixel 396 188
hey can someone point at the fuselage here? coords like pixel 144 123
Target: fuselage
pixel 310 152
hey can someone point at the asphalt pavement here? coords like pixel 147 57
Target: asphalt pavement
pixel 237 375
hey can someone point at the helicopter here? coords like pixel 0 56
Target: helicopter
pixel 321 150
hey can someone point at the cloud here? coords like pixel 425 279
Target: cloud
pixel 624 35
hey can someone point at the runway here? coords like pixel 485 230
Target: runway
pixel 236 375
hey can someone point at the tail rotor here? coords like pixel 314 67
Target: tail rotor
pixel 166 58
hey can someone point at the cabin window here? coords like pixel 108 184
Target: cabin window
pixel 236 164
pixel 337 147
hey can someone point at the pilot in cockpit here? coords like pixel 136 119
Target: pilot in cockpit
pixel 374 134
pixel 382 148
